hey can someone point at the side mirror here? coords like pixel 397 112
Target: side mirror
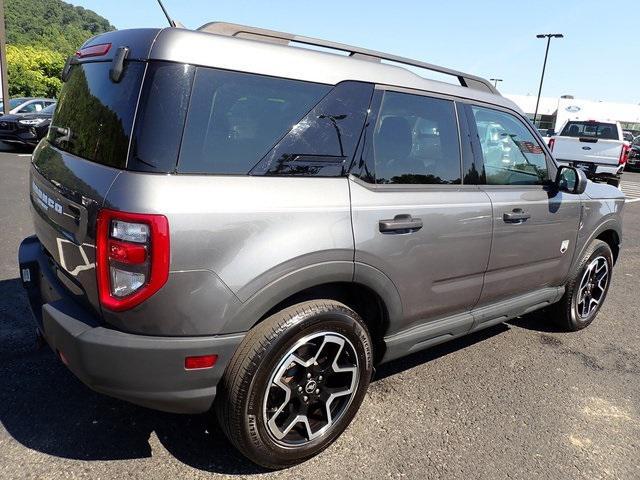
pixel 571 180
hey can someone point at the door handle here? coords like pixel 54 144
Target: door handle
pixel 517 215
pixel 400 224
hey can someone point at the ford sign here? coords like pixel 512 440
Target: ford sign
pixel 572 108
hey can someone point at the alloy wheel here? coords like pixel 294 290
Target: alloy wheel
pixel 593 287
pixel 310 388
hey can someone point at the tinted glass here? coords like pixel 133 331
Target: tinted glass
pixel 31 107
pixel 512 156
pixel 323 142
pixel 94 116
pixel 50 109
pixel 416 140
pixel 160 118
pixel 605 131
pixel 234 119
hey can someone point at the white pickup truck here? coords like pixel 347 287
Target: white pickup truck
pixel 596 147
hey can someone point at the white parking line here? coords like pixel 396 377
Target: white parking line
pixel 631 191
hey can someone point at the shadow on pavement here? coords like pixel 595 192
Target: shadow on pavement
pixel 538 321
pixel 433 353
pixel 45 408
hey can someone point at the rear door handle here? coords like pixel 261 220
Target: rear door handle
pixel 516 216
pixel 400 224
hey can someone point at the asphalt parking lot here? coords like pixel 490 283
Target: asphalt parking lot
pixel 519 400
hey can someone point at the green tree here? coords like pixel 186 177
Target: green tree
pixel 52 24
pixel 40 35
pixel 34 71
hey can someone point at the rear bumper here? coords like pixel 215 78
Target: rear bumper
pixel 144 370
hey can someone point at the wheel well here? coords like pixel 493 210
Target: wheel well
pixel 612 239
pixel 364 301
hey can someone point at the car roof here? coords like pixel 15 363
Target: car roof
pixel 284 60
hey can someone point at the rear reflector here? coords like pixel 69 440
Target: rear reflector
pixel 94 50
pixel 63 359
pixel 202 361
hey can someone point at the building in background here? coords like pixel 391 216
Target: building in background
pixel 554 112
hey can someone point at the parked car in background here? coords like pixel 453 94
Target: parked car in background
pixel 627 136
pixel 546 134
pixel 26 128
pixel 248 233
pixel 633 161
pixel 27 105
pixel 598 148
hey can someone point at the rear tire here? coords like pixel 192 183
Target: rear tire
pixel 310 361
pixel 586 289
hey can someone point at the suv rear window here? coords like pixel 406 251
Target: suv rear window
pixel 234 119
pixel 94 116
pixel 605 131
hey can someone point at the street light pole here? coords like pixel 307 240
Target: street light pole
pixel 495 81
pixel 548 36
pixel 3 62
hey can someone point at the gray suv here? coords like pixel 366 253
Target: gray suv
pixel 227 221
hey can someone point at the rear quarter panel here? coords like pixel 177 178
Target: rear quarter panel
pixel 231 238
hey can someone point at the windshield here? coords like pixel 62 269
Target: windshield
pixel 50 109
pixel 604 131
pixel 94 117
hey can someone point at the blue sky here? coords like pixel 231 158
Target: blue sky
pixel 598 59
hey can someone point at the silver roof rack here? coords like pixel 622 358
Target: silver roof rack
pixel 282 38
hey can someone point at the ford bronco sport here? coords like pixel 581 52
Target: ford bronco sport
pixel 228 221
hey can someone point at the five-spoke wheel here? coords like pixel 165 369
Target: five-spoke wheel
pixel 593 286
pixel 295 383
pixel 311 388
pixel 587 287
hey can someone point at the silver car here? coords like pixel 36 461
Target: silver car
pixel 20 105
pixel 227 221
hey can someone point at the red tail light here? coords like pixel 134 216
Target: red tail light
pixel 132 257
pixel 552 142
pixel 624 154
pixel 94 50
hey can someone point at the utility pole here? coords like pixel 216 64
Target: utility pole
pixel 548 36
pixel 494 80
pixel 3 62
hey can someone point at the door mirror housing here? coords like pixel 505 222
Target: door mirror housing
pixel 571 180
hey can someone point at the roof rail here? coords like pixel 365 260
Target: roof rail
pixel 282 38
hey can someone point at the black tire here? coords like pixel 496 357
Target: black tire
pixel 247 387
pixel 568 312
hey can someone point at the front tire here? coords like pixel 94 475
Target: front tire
pixel 587 288
pixel 295 383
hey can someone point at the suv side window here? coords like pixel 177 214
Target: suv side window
pixel 416 141
pixel 324 141
pixel 511 154
pixel 235 118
